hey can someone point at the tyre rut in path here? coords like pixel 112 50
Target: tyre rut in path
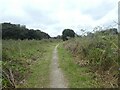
pixel 57 79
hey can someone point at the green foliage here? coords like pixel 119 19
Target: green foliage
pixel 78 77
pixel 67 33
pixel 17 31
pixel 17 58
pixel 39 78
pixel 99 53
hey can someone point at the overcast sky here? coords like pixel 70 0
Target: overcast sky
pixel 53 16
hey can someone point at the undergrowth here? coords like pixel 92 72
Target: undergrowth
pixel 77 77
pixel 100 54
pixel 17 58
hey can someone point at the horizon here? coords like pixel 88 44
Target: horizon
pixel 54 16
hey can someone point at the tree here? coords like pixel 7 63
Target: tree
pixel 17 31
pixel 67 33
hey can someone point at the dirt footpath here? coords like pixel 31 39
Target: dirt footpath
pixel 56 77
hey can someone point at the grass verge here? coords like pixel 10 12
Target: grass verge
pixel 78 77
pixel 25 63
pixel 40 70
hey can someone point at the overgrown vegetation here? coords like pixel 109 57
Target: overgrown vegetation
pixel 18 58
pixel 94 62
pixel 99 52
pixel 78 77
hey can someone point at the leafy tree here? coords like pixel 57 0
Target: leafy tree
pixel 67 33
pixel 17 31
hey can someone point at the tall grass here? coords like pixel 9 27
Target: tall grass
pixel 77 77
pixel 17 57
pixel 100 54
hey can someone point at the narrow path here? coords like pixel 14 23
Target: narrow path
pixel 56 77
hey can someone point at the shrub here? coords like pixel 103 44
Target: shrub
pixel 100 53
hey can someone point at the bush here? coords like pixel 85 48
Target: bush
pixel 99 53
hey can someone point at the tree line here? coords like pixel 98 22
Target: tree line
pixel 17 31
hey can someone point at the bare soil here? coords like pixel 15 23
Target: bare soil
pixel 56 76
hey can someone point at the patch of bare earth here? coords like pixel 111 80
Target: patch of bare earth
pixel 56 76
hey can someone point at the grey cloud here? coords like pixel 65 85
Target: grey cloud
pixel 45 17
pixel 12 19
pixel 99 11
pixel 40 16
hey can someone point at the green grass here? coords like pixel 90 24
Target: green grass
pixel 29 62
pixel 98 53
pixel 39 77
pixel 78 77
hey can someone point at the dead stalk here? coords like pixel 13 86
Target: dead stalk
pixel 8 77
pixel 12 77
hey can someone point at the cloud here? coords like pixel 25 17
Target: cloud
pixel 97 12
pixel 52 16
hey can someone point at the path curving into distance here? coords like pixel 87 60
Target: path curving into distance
pixel 57 79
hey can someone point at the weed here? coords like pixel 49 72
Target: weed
pixel 99 53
